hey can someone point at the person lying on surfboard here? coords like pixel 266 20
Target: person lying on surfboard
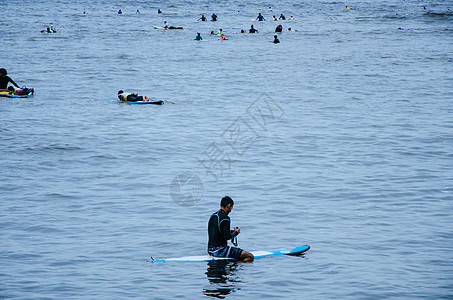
pixel 131 97
pixel 219 233
pixel 20 91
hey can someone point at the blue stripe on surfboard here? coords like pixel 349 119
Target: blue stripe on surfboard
pixel 258 254
pixel 15 96
pixel 156 102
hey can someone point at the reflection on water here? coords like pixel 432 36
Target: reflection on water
pixel 221 276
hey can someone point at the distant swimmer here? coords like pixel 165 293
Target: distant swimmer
pixel 219 31
pixel 279 28
pixel 291 18
pixel 198 37
pixel 159 11
pixel 4 80
pixel 120 12
pixel 282 17
pixel 47 30
pixel 276 40
pixel 260 17
pixel 131 97
pixel 138 11
pixel 270 8
pixel 52 28
pixel 252 30
pixel 212 33
pixel 243 31
pixel 223 38
pixel 165 25
pixel 347 7
pixel 203 18
pixel 214 18
pixel 274 18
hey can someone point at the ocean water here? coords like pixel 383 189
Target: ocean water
pixel 340 137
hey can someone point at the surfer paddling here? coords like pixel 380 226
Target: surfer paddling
pixel 219 233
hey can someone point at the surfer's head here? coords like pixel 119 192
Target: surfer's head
pixel 227 204
pixel 3 72
pixel 120 92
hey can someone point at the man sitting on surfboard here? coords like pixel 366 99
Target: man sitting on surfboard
pixel 4 80
pixel 219 233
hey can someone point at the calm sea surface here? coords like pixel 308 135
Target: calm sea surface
pixel 340 137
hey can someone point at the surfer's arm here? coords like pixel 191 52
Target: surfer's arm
pixel 225 224
pixel 12 82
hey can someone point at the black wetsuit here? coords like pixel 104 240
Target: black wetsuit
pixel 4 82
pixel 219 230
pixel 253 30
pixel 132 98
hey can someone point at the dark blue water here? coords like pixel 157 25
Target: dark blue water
pixel 339 137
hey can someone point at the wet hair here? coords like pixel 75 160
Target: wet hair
pixel 3 71
pixel 226 201
pixel 10 88
pixel 275 36
pixel 120 92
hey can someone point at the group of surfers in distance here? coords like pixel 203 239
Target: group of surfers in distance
pixel 14 89
pixel 252 29
pixel 50 29
pixel 120 12
pixel 260 18
pixel 214 18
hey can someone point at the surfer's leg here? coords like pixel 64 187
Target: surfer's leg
pixel 246 256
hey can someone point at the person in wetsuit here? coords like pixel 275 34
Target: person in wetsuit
pixel 131 97
pixel 203 18
pixel 219 233
pixel 276 40
pixel 252 30
pixel 260 17
pixel 214 18
pixel 4 80
pixel 198 37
